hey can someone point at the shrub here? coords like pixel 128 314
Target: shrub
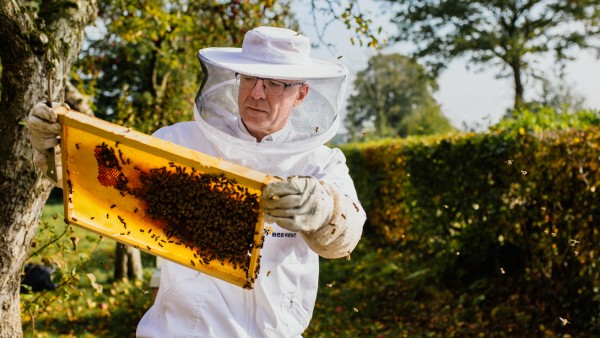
pixel 514 210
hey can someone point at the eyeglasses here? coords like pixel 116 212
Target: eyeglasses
pixel 271 87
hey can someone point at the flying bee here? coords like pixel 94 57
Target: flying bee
pixel 564 321
pixel 509 162
pixel 523 172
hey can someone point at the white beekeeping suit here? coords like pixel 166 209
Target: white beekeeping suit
pixel 192 304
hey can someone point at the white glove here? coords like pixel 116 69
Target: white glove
pixel 300 203
pixel 43 132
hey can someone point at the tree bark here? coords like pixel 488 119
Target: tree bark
pixel 128 263
pixel 34 40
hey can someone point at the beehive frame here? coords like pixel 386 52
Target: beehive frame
pixel 106 210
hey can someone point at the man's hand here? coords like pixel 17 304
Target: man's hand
pixel 43 132
pixel 300 203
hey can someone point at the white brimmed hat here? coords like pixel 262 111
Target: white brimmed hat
pixel 273 52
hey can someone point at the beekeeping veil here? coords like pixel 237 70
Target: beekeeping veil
pixel 269 52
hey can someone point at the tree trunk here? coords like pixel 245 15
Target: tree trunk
pixel 34 40
pixel 128 262
pixel 518 81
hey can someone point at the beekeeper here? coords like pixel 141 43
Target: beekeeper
pixel 271 107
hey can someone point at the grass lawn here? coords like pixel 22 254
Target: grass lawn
pixel 87 302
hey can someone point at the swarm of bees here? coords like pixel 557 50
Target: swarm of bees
pixel 208 213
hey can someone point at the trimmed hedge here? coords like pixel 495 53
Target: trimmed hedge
pixel 513 213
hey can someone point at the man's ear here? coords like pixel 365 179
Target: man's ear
pixel 302 92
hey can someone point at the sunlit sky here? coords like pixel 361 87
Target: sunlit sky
pixel 468 97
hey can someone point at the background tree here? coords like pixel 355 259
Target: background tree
pixel 509 34
pixel 37 36
pixel 141 65
pixel 393 97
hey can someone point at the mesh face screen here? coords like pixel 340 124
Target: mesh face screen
pixel 169 201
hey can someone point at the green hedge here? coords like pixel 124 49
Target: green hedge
pixel 514 212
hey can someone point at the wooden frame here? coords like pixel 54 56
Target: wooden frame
pixel 109 212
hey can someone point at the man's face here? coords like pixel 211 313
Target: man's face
pixel 264 114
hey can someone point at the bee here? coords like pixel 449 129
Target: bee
pixel 339 57
pixel 523 172
pixel 112 206
pixel 316 129
pixel 502 271
pixel 268 273
pixel 509 162
pixel 77 146
pixel 355 309
pixel 564 321
pixel 329 285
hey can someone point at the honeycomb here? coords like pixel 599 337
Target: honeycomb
pixel 167 200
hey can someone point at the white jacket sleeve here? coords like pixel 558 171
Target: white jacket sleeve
pixel 341 235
